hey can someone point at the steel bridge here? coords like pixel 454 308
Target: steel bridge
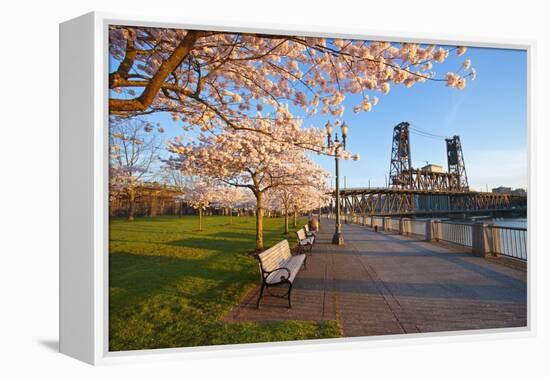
pixel 426 191
pixel 406 202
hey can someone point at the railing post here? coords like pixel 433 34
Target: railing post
pixel 495 240
pixel 429 230
pixel 480 239
pixel 386 224
pixel 403 222
pixel 433 230
pixel 437 230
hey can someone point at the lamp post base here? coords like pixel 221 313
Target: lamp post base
pixel 337 239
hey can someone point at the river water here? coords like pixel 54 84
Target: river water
pixel 514 222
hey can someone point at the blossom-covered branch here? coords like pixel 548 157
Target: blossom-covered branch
pixel 225 80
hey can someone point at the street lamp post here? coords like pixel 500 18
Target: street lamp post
pixel 338 238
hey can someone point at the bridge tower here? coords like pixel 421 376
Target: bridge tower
pixel 400 164
pixel 455 161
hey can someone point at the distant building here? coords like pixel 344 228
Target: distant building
pixel 509 190
pixel 433 168
pixel 502 190
pixel 519 192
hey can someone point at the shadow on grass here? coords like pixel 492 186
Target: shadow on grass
pixel 212 242
pixel 133 278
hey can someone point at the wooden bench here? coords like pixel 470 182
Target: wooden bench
pixel 309 233
pixel 279 267
pixel 305 243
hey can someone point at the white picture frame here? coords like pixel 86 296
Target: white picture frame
pixel 84 191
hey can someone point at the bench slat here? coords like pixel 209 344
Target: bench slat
pixel 293 264
pixel 275 256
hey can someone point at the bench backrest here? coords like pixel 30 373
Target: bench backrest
pixel 306 227
pixel 275 256
pixel 301 234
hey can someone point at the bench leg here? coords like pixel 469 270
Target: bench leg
pixel 260 297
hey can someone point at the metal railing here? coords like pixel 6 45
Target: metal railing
pixel 509 241
pixel 499 240
pixel 458 233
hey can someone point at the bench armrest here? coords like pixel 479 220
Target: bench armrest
pixel 267 273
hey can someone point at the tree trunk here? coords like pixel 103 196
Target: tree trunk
pixel 200 219
pixel 286 220
pixel 295 219
pixel 230 215
pixel 259 222
pixel 131 204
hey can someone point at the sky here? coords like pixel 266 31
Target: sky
pixel 489 115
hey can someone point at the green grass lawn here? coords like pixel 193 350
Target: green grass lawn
pixel 170 285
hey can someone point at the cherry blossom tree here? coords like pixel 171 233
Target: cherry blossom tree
pixel 282 198
pixel 199 195
pixel 133 150
pixel 230 197
pixel 272 204
pixel 248 160
pixel 248 202
pixel 307 199
pixel 214 79
pixel 299 199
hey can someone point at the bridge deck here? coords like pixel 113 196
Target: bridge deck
pixel 388 284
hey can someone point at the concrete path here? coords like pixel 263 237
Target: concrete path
pixel 383 283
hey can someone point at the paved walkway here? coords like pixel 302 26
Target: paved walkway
pixel 384 283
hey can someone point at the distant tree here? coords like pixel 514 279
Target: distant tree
pixel 248 160
pixel 281 198
pixel 199 195
pixel 229 197
pixel 299 199
pixel 134 147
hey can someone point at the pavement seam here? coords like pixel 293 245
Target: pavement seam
pixel 385 292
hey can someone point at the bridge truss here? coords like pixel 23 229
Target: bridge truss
pixel 403 202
